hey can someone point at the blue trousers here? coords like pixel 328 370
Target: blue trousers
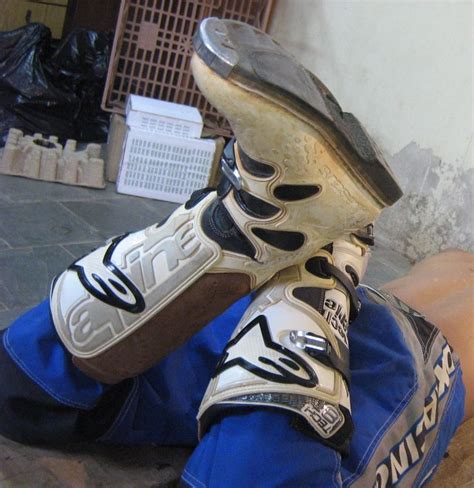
pixel 406 392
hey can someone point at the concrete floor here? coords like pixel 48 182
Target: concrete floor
pixel 43 228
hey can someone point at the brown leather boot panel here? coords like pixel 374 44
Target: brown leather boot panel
pixel 169 329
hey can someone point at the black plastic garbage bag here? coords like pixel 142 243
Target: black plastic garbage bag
pixel 53 90
pixel 79 64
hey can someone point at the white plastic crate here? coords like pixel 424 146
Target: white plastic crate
pixel 159 117
pixel 164 167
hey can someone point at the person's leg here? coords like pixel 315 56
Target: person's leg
pixel 163 405
pixel 407 400
pixel 44 398
pixel 442 288
pixel 277 411
pixel 301 173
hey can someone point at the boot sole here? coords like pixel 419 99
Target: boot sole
pixel 252 60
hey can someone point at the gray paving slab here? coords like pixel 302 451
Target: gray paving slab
pixel 19 189
pixel 164 208
pixel 113 217
pixel 26 274
pixel 42 223
pixel 15 189
pixel 385 265
pixel 7 317
pixel 79 250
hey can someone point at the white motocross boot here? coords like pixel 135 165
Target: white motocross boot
pixel 300 174
pixel 290 350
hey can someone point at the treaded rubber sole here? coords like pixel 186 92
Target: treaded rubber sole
pixel 241 53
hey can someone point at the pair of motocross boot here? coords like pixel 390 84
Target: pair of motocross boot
pixel 298 183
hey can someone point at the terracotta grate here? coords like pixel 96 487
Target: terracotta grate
pixel 153 46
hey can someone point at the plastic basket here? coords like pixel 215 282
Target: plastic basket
pixel 153 46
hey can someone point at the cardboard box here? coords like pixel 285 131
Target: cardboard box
pixel 166 118
pixel 164 167
pixel 215 175
pixel 115 146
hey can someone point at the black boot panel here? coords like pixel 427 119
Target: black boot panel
pixel 219 226
pixel 254 167
pixel 281 239
pixel 314 297
pixel 254 206
pixel 293 193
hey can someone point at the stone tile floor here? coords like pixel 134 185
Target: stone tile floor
pixel 43 228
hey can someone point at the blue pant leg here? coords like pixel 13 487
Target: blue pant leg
pixel 241 448
pixel 43 396
pixel 33 345
pixel 407 401
pixel 163 405
pixel 261 449
pixel 38 379
pixel 258 448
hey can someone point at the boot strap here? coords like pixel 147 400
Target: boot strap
pixel 265 365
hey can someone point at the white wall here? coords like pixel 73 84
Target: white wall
pixel 405 69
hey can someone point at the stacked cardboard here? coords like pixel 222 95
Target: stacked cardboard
pixel 45 159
